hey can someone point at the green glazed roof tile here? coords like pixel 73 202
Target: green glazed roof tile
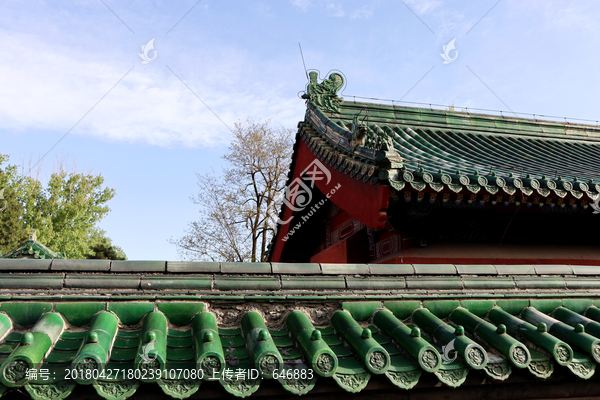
pixel 236 353
pixel 127 343
pixel 31 281
pixel 382 340
pixel 553 270
pixel 176 354
pixel 86 297
pixel 476 270
pixel 138 266
pixel 345 297
pixel 435 269
pixel 190 267
pixel 176 282
pixel 89 281
pixel 306 297
pixel 482 122
pixel 25 313
pixel 340 351
pixel 326 331
pixel 290 353
pixel 577 305
pixel 7 348
pixel 391 269
pixel 458 119
pixel 279 332
pixel 80 265
pixel 344 269
pixel 554 130
pixel 179 333
pixel 180 297
pixel 130 313
pixel 296 268
pixel 479 282
pixel 515 269
pixel 441 295
pixel 580 357
pixel 128 354
pixel 445 140
pixel 478 307
pixel 545 306
pixel 507 124
pixel 179 342
pixel 24 265
pixel 129 297
pixel 57 356
pixel 441 308
pixel 375 283
pixel 229 331
pixel 128 334
pixel 79 313
pixel 392 350
pixel 402 309
pixel 245 268
pixel 374 330
pixel 585 269
pixel 349 365
pixel 430 283
pixel 247 283
pixel 233 341
pixel 73 335
pixel 313 282
pixel 180 314
pixel 282 341
pixel 361 310
pixel 582 282
pixel 539 283
pixel 13 337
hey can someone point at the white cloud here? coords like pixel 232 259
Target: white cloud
pixel 364 12
pixel 336 10
pixel 572 17
pixel 301 4
pixel 329 8
pixel 50 88
pixel 423 6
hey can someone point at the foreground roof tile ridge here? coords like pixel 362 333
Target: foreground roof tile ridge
pixel 68 344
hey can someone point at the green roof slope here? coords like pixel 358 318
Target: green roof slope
pixel 450 151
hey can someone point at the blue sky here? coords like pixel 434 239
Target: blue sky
pixel 150 134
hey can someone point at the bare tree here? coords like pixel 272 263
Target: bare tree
pixel 239 206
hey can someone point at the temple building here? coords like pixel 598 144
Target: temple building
pixel 419 254
pixel 32 249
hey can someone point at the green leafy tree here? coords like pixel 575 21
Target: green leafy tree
pixel 11 223
pixel 101 248
pixel 239 205
pixel 64 212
